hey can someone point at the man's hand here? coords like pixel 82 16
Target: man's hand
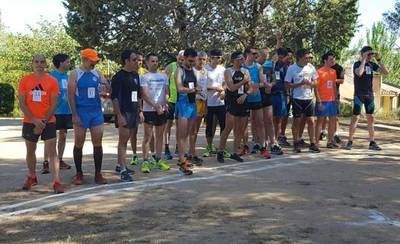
pixel 159 110
pixel 320 106
pixel 38 123
pixel 121 121
pixel 76 120
pixel 141 117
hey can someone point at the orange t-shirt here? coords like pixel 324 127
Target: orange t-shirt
pixel 326 84
pixel 38 92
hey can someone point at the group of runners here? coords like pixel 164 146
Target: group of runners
pixel 253 96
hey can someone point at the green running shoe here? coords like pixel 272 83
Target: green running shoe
pixel 208 151
pixel 161 164
pixel 134 160
pixel 227 154
pixel 146 166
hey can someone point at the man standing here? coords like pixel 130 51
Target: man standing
pixel 300 77
pixel 84 87
pixel 215 100
pixel 363 93
pixel 63 115
pixel 155 96
pixel 37 95
pixel 126 94
pixel 170 70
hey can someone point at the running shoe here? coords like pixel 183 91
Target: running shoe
pixel 220 156
pixel 303 143
pixel 349 145
pixel 245 150
pixel 146 166
pixel 161 164
pixel 168 156
pixel 374 146
pixel 332 145
pixel 296 147
pixel 134 160
pixel 265 153
pixel 256 149
pixel 152 160
pixel 29 182
pixel 118 169
pixel 276 149
pixel 57 187
pixel 125 176
pixel 46 168
pixel 213 149
pixel 184 167
pixel 236 157
pixel 337 139
pixel 314 148
pixel 64 165
pixel 282 140
pixel 207 152
pixel 78 179
pixel 99 179
pixel 227 154
pixel 197 161
pixel 322 136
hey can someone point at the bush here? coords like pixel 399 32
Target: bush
pixel 346 109
pixel 6 99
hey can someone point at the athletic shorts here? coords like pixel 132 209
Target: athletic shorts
pixel 266 99
pixel 289 107
pixel 255 106
pixel 152 118
pixel 90 119
pixel 201 106
pixel 185 109
pixel 132 120
pixel 329 109
pixel 171 111
pixel 280 105
pixel 300 107
pixel 49 132
pixel 241 110
pixel 218 112
pixel 367 101
pixel 63 121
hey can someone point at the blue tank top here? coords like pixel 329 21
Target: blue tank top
pixel 188 76
pixel 62 104
pixel 87 92
pixel 255 79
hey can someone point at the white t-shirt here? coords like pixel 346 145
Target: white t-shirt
pixel 216 79
pixel 157 85
pixel 202 81
pixel 295 74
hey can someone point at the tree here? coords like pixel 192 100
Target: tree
pixel 392 18
pixel 166 26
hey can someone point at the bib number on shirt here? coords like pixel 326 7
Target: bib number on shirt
pixel 277 75
pixel 64 83
pixel 241 90
pixel 91 92
pixel 368 70
pixel 134 96
pixel 37 95
pixel 329 84
pixel 191 85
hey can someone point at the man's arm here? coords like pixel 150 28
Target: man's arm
pixel 71 92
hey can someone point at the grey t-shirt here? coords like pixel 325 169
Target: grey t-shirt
pixel 295 74
pixel 157 85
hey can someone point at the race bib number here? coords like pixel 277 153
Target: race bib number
pixel 134 96
pixel 191 85
pixel 277 75
pixel 329 84
pixel 241 90
pixel 64 83
pixel 91 92
pixel 368 70
pixel 37 95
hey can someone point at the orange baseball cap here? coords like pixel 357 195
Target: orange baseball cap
pixel 90 54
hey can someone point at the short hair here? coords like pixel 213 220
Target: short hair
pixel 215 52
pixel 326 55
pixel 247 51
pixel 282 51
pixel 301 53
pixel 190 52
pixel 365 49
pixel 289 50
pixel 126 54
pixel 150 55
pixel 235 55
pixel 59 58
pixel 38 55
pixel 201 54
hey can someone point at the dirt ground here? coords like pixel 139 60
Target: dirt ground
pixel 336 196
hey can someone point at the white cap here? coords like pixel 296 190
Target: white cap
pixel 181 52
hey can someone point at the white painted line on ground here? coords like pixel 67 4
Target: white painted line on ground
pixel 155 184
pixel 376 217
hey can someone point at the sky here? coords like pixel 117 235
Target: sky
pixel 16 15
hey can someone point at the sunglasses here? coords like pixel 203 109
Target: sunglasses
pixel 254 54
pixel 216 57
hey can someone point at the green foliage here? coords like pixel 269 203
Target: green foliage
pixel 346 109
pixel 392 18
pixel 7 98
pixel 166 26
